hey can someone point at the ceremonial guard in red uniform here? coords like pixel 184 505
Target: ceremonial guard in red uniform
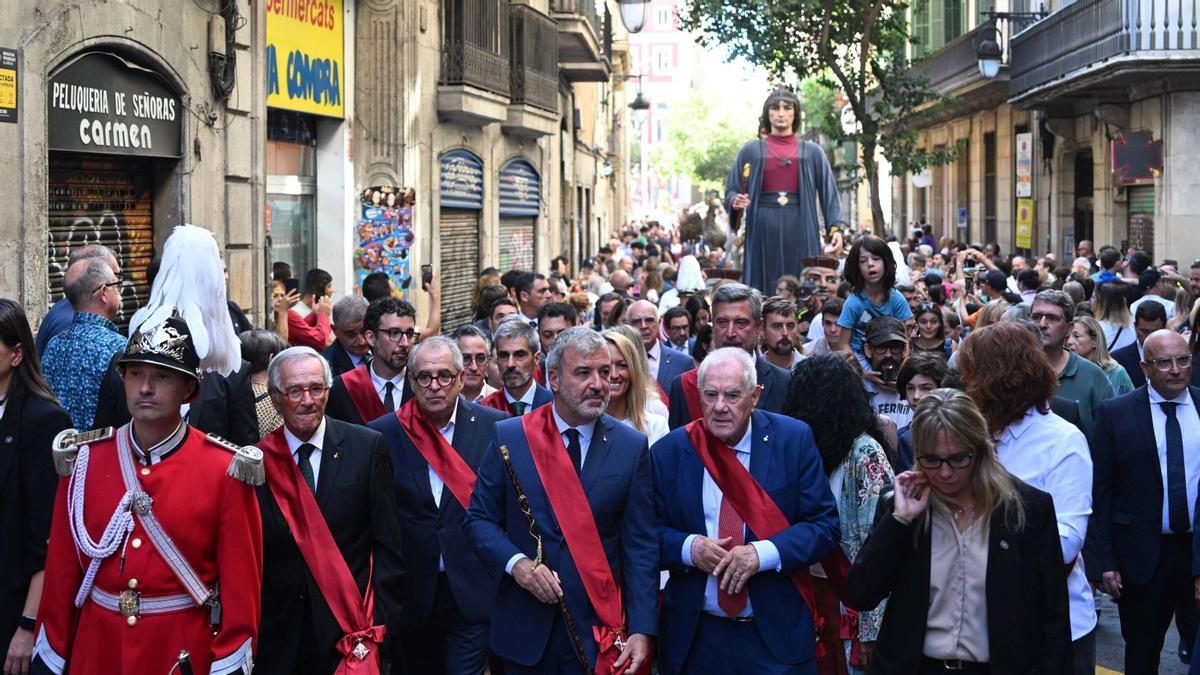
pixel 155 555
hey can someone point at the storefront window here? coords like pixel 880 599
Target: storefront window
pixel 291 190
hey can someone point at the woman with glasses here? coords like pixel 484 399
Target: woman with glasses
pixel 827 394
pixel 967 557
pixel 632 392
pixel 1087 340
pixel 30 417
pixel 930 332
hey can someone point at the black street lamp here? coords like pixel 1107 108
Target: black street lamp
pixel 633 14
pixel 990 48
pixel 640 107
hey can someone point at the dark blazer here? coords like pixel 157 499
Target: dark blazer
pixel 1131 361
pixel 1068 409
pixel 225 406
pixel 27 488
pixel 429 530
pixel 783 459
pixel 339 359
pixel 354 492
pixel 1029 623
pixel 671 364
pixel 1127 492
pixel 619 485
pixel 341 407
pixel 773 380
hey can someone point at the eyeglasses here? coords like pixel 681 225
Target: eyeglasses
pixel 933 462
pixel 480 359
pixel 112 284
pixel 1164 364
pixel 643 321
pixel 1051 319
pixel 296 394
pixel 444 378
pixel 396 334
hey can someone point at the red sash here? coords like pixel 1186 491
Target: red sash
pixel 690 384
pixel 444 459
pixel 662 393
pixel 539 375
pixel 497 401
pixel 761 513
pixel 354 614
pixel 362 393
pixel 570 506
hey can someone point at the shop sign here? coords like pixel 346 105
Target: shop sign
pixel 100 103
pixel 8 85
pixel 1137 159
pixel 520 189
pixel 305 56
pixel 1025 223
pixel 1025 165
pixel 461 181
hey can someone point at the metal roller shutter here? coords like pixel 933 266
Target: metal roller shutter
pixel 516 244
pixel 459 239
pixel 102 200
pixel 1141 217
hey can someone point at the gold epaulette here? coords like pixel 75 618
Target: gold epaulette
pixel 66 444
pixel 247 463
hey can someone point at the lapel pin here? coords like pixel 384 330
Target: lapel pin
pixel 766 438
pixel 472 418
pixel 335 455
pixel 1004 544
pixel 604 439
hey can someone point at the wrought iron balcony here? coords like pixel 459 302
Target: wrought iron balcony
pixel 1103 50
pixel 534 58
pixel 584 40
pixel 476 77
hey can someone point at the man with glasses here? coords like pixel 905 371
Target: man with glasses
pixel 1147 453
pixel 476 348
pixel 58 318
pixel 517 355
pixel 377 388
pixel 439 438
pixel 1078 379
pixel 665 364
pixel 76 360
pixel 331 481
pixel 886 349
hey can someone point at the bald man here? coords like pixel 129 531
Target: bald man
pixel 665 363
pixel 1146 449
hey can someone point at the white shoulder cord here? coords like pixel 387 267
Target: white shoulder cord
pixel 119 527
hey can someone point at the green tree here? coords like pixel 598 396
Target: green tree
pixel 701 140
pixel 857 45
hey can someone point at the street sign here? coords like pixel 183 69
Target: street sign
pixel 1025 165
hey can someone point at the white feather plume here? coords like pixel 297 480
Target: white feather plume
pixel 191 283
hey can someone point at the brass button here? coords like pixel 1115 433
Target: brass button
pixel 131 620
pixel 133 583
pixel 136 543
pixel 145 471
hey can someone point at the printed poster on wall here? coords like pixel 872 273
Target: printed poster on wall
pixel 305 55
pixel 1025 223
pixel 1025 165
pixel 385 237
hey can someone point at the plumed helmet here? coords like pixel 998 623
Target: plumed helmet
pixel 167 344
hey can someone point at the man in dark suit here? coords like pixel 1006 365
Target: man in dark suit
pixel 1150 316
pixel 552 319
pixel 351 349
pixel 378 386
pixel 349 470
pixel 666 363
pixel 591 461
pixel 1146 450
pixel 516 346
pixel 448 592
pixel 737 321
pixel 731 597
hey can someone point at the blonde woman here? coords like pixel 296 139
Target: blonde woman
pixel 1111 310
pixel 1087 340
pixel 967 557
pixel 630 386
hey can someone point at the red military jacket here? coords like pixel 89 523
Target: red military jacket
pixel 214 522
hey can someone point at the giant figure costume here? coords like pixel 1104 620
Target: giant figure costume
pixel 788 178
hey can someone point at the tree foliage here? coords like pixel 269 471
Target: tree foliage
pixel 859 46
pixel 701 140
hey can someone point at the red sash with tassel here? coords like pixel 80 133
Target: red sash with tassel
pixel 690 384
pixel 761 514
pixel 362 393
pixel 444 459
pixel 355 614
pixel 497 401
pixel 574 514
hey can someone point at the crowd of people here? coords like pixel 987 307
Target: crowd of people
pixel 908 456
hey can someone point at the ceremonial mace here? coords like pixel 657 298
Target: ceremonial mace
pixel 539 559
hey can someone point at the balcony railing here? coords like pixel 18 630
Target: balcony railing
pixel 585 8
pixel 1093 31
pixel 475 48
pixel 957 61
pixel 534 58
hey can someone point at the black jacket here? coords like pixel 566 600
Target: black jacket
pixel 1029 625
pixel 1131 360
pixel 27 488
pixel 354 492
pixel 341 407
pixel 338 358
pixel 773 380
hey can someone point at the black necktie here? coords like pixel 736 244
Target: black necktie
pixel 305 451
pixel 574 449
pixel 519 406
pixel 1177 510
pixel 388 401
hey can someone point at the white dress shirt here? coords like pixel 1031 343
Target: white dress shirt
pixel 1052 455
pixel 526 398
pixel 380 385
pixel 768 553
pixel 314 460
pixel 487 391
pixel 1189 424
pixel 436 484
pixel 585 442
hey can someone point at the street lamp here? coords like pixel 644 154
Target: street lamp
pixel 640 107
pixel 633 14
pixel 989 50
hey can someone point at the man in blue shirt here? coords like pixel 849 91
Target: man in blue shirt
pixel 58 318
pixel 76 360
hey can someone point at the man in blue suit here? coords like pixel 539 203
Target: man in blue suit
pixel 1146 452
pixel 447 590
pixel 1150 316
pixel 606 466
pixel 737 320
pixel 666 364
pixel 515 346
pixel 733 596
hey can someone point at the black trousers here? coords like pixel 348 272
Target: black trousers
pixel 1146 609
pixel 446 644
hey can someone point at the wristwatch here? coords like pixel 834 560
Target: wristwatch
pixel 27 623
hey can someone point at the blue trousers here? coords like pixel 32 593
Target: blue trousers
pixel 723 648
